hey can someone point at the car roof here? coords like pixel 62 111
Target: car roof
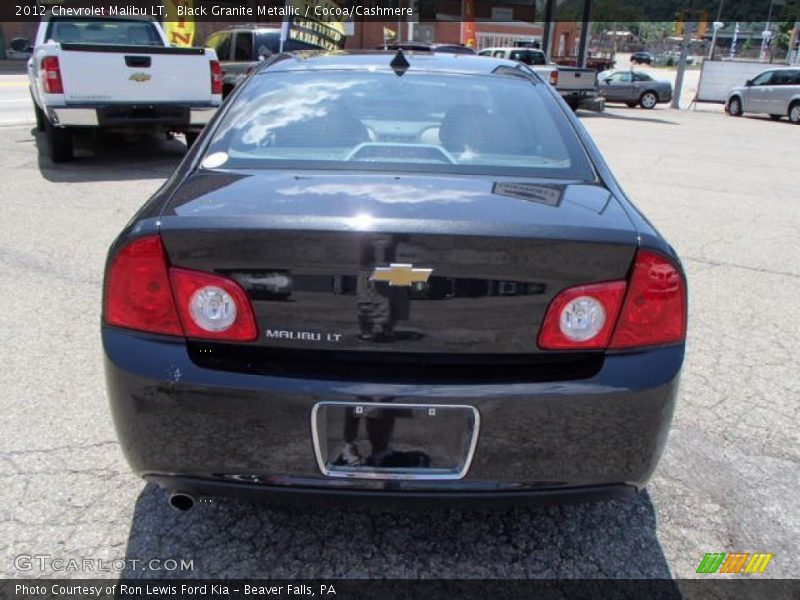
pixel 512 48
pixel 444 62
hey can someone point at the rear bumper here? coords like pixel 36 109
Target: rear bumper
pixel 215 432
pixel 133 115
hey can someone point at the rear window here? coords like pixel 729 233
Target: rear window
pixel 421 122
pixel 115 32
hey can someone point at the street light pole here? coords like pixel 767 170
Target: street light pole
pixel 713 49
pixel 687 39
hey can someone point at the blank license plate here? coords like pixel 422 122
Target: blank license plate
pixel 381 440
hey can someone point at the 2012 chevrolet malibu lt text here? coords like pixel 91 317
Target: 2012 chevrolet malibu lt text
pixel 394 277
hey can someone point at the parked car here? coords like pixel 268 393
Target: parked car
pixel 117 73
pixel 775 92
pixel 634 87
pixel 239 50
pixel 415 46
pixel 642 58
pixel 575 85
pixel 544 364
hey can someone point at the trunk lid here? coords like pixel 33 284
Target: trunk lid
pixel 476 262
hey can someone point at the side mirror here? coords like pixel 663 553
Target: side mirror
pixel 20 45
pixel 749 83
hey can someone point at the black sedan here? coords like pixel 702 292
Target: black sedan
pixel 390 277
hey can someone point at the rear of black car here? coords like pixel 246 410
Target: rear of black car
pixel 443 301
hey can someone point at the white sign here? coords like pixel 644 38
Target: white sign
pixel 719 77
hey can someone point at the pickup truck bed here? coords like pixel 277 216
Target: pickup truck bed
pixel 576 84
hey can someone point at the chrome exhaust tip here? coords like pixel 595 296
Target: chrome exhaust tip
pixel 181 501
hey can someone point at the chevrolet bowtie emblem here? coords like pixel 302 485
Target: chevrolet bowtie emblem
pixel 400 274
pixel 140 77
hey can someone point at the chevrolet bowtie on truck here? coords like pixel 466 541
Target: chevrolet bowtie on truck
pixel 118 74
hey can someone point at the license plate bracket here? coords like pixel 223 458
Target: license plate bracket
pixel 390 440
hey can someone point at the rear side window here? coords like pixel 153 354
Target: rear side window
pixel 244 46
pixel 113 32
pixel 788 77
pixel 223 48
pixel 421 122
pixel 267 43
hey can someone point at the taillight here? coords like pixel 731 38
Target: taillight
pixel 144 294
pixel 654 311
pixel 212 307
pixel 582 317
pixel 554 78
pixel 648 310
pixel 138 294
pixel 51 75
pixel 216 77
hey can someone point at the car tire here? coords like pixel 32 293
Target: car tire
pixel 631 104
pixel 41 119
pixel 794 113
pixel 59 143
pixel 735 107
pixel 191 138
pixel 648 100
pixel 776 117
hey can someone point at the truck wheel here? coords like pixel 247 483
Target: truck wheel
pixel 40 118
pixel 794 113
pixel 648 100
pixel 59 143
pixel 191 138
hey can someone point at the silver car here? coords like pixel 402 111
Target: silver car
pixel 775 92
pixel 633 87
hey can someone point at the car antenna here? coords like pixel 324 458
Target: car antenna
pixel 399 63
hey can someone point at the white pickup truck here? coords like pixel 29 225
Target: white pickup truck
pixel 118 74
pixel 574 84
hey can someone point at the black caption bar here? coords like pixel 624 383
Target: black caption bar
pixel 388 589
pixel 239 11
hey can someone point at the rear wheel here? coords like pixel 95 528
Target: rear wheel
pixel 648 100
pixel 59 143
pixel 794 113
pixel 735 107
pixel 41 119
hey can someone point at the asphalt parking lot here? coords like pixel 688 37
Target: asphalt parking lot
pixel 723 190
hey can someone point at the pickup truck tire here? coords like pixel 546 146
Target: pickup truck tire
pixel 191 138
pixel 648 100
pixel 59 143
pixel 41 119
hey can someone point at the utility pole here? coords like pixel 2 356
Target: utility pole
pixel 688 29
pixel 717 25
